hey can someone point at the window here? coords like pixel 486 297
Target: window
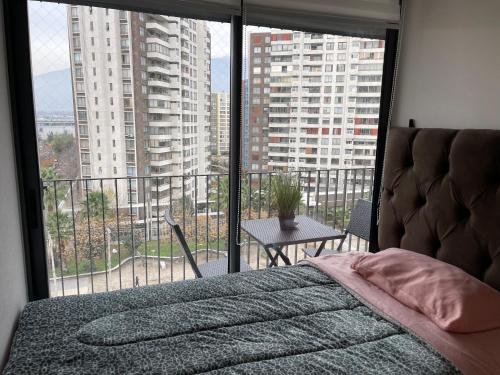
pixel 82 115
pixel 164 110
pixel 80 101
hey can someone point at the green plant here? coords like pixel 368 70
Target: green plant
pixel 61 142
pixel 286 194
pixel 97 204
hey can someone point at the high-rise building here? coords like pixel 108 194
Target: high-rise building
pixel 219 123
pixel 141 85
pixel 259 78
pixel 246 115
pixel 313 101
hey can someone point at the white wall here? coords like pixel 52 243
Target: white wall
pixel 450 65
pixel 13 293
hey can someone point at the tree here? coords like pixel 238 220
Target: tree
pixel 126 239
pixel 61 142
pixel 67 164
pixel 184 204
pixel 253 191
pixel 90 243
pixel 60 229
pixel 97 203
pixel 49 175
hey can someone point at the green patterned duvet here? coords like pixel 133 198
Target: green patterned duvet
pixel 287 320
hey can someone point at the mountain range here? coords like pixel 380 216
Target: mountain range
pixel 53 92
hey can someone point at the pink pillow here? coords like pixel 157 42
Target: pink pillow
pixel 451 298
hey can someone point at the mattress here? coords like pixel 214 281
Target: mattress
pixel 288 320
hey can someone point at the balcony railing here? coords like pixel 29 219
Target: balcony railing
pixel 109 233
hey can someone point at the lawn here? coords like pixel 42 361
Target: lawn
pixel 167 249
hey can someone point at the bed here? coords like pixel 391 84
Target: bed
pixel 441 197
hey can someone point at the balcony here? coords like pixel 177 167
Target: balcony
pixel 107 234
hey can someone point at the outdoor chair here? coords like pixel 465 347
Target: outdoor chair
pixel 208 269
pixel 359 226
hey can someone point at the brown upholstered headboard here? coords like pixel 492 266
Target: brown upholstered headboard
pixel 441 197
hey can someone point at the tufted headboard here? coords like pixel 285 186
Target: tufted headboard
pixel 441 197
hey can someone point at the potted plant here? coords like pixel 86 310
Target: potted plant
pixel 286 198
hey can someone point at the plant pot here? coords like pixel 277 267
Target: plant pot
pixel 287 223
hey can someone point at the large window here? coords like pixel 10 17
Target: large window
pixel 133 117
pixel 313 109
pixel 132 113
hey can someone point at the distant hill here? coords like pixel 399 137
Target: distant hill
pixel 53 92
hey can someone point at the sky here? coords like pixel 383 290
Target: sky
pixel 49 37
pixel 51 62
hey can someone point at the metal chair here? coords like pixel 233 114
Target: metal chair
pixel 209 269
pixel 359 225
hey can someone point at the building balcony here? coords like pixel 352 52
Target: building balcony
pixel 134 236
pixel 172 69
pixel 168 29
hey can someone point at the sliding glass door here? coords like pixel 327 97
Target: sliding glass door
pixel 132 117
pixel 311 112
pixel 195 112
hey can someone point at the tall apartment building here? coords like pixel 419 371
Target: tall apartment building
pixel 259 78
pixel 313 101
pixel 141 86
pixel 246 116
pixel 219 123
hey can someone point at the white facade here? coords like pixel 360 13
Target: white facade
pixel 103 95
pixel 219 123
pixel 324 101
pixel 141 88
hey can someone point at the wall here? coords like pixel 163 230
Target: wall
pixel 450 65
pixel 13 293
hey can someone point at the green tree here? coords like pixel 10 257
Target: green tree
pixel 183 204
pixel 132 245
pixel 60 229
pixel 61 142
pixel 97 203
pixel 257 188
pixel 50 185
pixel 220 192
